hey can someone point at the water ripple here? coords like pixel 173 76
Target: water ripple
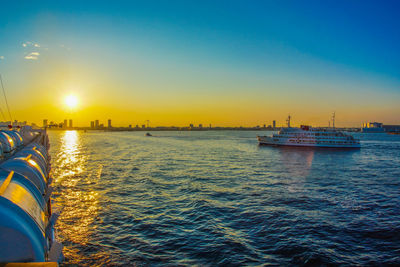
pixel 216 198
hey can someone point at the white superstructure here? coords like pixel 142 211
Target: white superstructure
pixel 310 137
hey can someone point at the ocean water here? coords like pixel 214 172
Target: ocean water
pixel 217 198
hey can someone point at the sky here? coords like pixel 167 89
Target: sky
pixel 225 63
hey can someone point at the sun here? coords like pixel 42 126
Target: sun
pixel 71 101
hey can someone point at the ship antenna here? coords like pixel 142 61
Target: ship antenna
pixel 5 98
pixel 2 114
pixel 288 121
pixel 333 120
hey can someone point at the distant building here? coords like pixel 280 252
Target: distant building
pixel 130 126
pixel 92 124
pixel 274 124
pixel 5 123
pixel 18 123
pixel 70 123
pixel 392 128
pixel 373 127
pixel 109 124
pixel 201 126
pixel 45 123
pixel 143 126
pixel 96 123
pixel 101 125
pixel 191 125
pixel 65 124
pixel 264 126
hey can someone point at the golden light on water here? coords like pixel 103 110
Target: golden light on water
pixel 298 163
pixel 69 153
pixel 71 101
pixel 80 205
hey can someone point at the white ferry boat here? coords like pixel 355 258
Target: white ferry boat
pixel 308 136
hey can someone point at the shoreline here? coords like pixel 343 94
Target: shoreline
pixel 179 129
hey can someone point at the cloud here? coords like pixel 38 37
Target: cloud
pixel 31 48
pixel 1 57
pixel 32 55
pixel 27 44
pixel 65 47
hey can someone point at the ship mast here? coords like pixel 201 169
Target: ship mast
pixel 288 121
pixel 333 120
pixel 5 98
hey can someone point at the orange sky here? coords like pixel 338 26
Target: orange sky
pixel 234 71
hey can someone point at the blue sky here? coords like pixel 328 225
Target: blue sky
pixel 339 55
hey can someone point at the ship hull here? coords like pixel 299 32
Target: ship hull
pixel 268 141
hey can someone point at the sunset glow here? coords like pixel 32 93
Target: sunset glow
pixel 71 101
pixel 200 133
pixel 243 66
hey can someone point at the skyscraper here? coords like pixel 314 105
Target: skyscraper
pixel 109 124
pixel 45 123
pixel 70 123
pixel 96 123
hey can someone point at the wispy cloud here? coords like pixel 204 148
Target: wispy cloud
pixel 28 44
pixel 32 55
pixel 65 47
pixel 1 57
pixel 29 54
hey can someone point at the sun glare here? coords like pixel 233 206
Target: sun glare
pixel 71 101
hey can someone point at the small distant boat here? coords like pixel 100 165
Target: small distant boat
pixel 307 136
pixel 148 134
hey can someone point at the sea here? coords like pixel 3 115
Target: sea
pixel 217 198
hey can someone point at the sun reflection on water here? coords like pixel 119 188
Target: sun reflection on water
pixel 298 163
pixel 79 203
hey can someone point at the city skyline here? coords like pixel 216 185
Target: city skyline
pixel 100 124
pixel 229 63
